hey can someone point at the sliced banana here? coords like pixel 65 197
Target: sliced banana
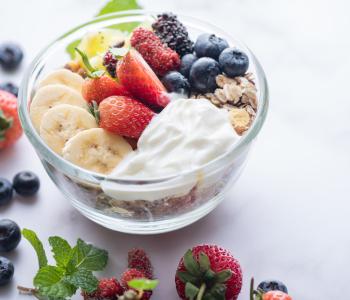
pixel 62 122
pixel 65 77
pixel 96 150
pixel 50 96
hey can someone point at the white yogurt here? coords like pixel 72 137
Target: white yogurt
pixel 187 134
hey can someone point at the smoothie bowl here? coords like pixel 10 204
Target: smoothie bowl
pixel 149 120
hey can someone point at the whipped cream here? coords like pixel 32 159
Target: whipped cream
pixel 186 135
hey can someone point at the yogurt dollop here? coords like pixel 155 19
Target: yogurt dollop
pixel 187 134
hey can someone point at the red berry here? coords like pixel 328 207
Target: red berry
pixel 124 116
pixel 108 288
pixel 159 56
pixel 220 259
pixel 10 126
pixel 131 274
pixel 138 259
pixel 276 295
pixel 97 89
pixel 110 62
pixel 139 79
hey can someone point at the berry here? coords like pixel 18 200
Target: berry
pixel 98 89
pixel 233 62
pixel 276 295
pixel 26 183
pixel 10 235
pixel 124 116
pixel 10 126
pixel 209 264
pixel 203 75
pixel 131 274
pixel 6 191
pixel 186 63
pixel 160 57
pixel 272 285
pixel 173 33
pixel 138 259
pixel 108 288
pixel 175 82
pixel 209 45
pixel 110 62
pixel 9 87
pixel 11 56
pixel 6 271
pixel 139 79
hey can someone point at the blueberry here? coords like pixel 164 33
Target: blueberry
pixel 209 45
pixel 10 235
pixel 6 271
pixel 233 62
pixel 175 82
pixel 6 191
pixel 272 285
pixel 203 75
pixel 26 183
pixel 186 64
pixel 11 56
pixel 9 87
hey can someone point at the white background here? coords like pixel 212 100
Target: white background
pixel 288 215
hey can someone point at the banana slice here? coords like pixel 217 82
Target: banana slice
pixel 50 96
pixel 62 122
pixel 96 150
pixel 65 77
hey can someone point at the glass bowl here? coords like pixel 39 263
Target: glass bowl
pixel 142 206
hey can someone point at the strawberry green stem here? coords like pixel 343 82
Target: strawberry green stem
pixel 252 289
pixel 5 124
pixel 201 291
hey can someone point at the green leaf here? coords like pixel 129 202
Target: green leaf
pixel 83 279
pixel 118 5
pixel 49 282
pixel 37 245
pixel 204 262
pixel 191 264
pixel 71 48
pixel 5 124
pixel 217 292
pixel 186 277
pixel 191 291
pixel 209 276
pixel 86 61
pixel 93 109
pixel 143 284
pixel 223 276
pixel 88 257
pixel 61 250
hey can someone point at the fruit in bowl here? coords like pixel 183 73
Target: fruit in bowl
pixel 152 131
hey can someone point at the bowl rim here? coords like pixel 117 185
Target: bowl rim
pixel 44 152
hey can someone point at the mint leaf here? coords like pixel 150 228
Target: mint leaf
pixel 143 284
pixel 83 279
pixel 61 250
pixel 49 282
pixel 118 5
pixel 88 257
pixel 37 245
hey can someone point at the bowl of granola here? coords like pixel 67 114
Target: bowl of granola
pixel 144 120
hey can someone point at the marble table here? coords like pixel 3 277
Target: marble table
pixel 288 215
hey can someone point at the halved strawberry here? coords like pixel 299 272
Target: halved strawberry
pixel 138 78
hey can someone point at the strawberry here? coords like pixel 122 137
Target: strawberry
pixel 100 88
pixel 131 274
pixel 138 259
pixel 10 126
pixel 208 272
pixel 159 56
pixel 138 78
pixel 276 295
pixel 108 288
pixel 124 116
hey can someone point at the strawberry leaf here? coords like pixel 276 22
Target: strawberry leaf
pixel 223 276
pixel 191 264
pixel 186 277
pixel 191 291
pixel 5 124
pixel 93 109
pixel 204 262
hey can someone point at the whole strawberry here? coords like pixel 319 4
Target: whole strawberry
pixel 159 56
pixel 138 259
pixel 208 272
pixel 124 116
pixel 138 78
pixel 108 288
pixel 10 126
pixel 131 274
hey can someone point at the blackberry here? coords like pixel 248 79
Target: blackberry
pixel 110 62
pixel 173 33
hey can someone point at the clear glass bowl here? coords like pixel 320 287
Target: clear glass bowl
pixel 181 199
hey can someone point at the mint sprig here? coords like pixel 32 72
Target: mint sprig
pixel 73 270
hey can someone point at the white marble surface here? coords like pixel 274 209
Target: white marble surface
pixel 287 217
